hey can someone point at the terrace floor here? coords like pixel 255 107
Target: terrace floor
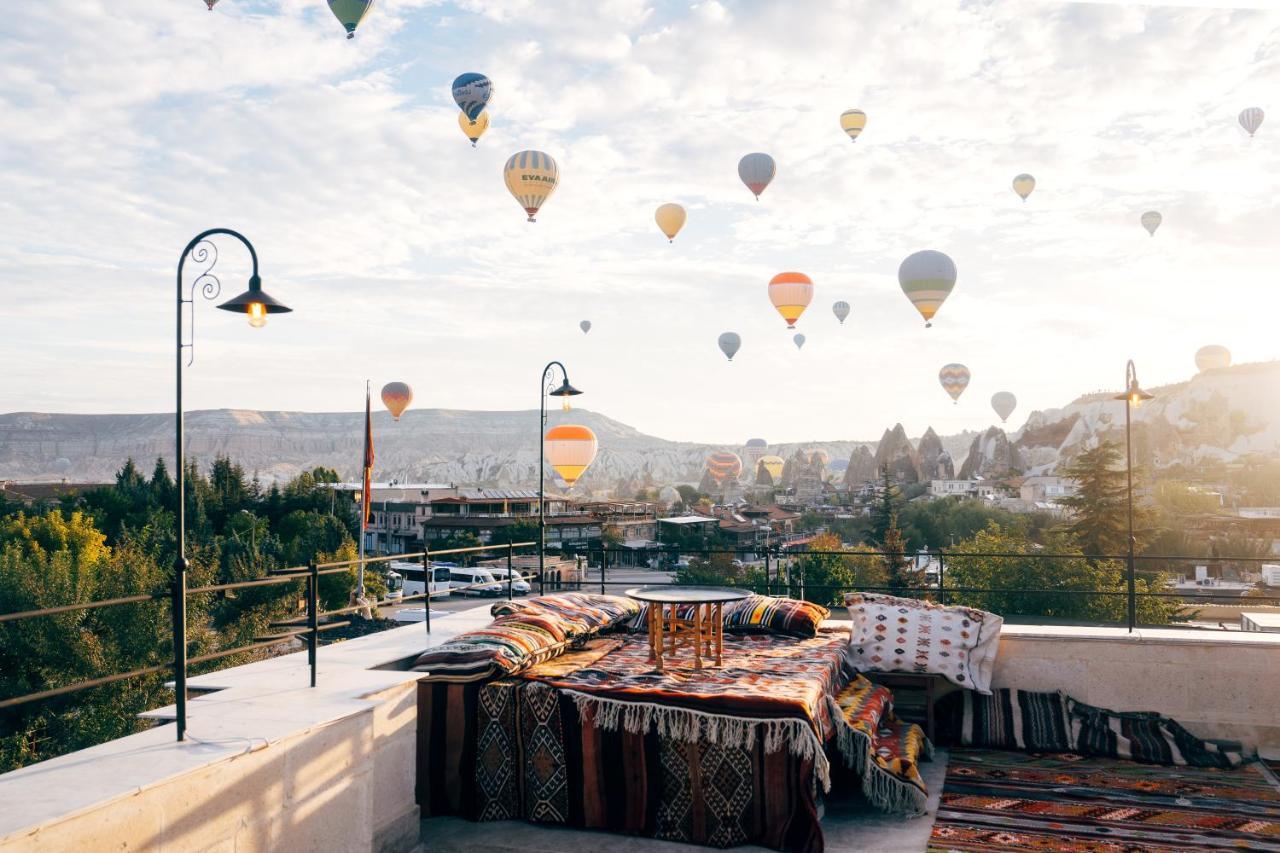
pixel 849 823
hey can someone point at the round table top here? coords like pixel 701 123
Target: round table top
pixel 679 594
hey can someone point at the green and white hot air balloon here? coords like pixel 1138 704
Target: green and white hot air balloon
pixel 927 278
pixel 350 13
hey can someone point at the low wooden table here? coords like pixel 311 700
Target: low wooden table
pixel 672 627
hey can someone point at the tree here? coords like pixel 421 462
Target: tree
pixel 885 511
pixel 829 570
pixel 1099 509
pixel 901 575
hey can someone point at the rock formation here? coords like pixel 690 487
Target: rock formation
pixel 896 453
pixel 935 461
pixel 861 468
pixel 992 456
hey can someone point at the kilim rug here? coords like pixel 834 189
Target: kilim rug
pixel 1019 801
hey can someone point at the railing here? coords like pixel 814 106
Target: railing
pixel 305 626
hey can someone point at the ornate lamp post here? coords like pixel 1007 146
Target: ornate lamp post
pixel 546 387
pixel 256 304
pixel 1133 396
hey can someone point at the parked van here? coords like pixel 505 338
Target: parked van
pixel 413 579
pixel 519 585
pixel 475 581
pixel 1271 574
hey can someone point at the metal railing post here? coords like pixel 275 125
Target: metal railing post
pixel 768 584
pixel 313 616
pixel 428 577
pixel 942 571
pixel 510 579
pixel 604 561
pixel 179 601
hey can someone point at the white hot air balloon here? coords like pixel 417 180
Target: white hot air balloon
pixel 729 343
pixel 1023 185
pixel 1251 119
pixel 799 340
pixel 1151 221
pixel 1212 357
pixel 841 310
pixel 1004 403
pixel 585 326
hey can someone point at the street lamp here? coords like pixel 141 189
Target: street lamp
pixel 1133 395
pixel 547 388
pixel 256 304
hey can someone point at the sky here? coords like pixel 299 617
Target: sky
pixel 129 126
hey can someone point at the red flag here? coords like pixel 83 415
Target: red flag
pixel 367 497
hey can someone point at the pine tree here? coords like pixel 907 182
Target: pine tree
pixel 1099 520
pixel 900 573
pixel 885 512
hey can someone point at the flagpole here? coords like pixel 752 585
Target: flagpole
pixel 366 494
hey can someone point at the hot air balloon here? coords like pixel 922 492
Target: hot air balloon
pixel 790 293
pixel 1023 185
pixel 819 457
pixel 211 3
pixel 570 449
pixel 670 218
pixel 585 326
pixel 668 495
pixel 927 278
pixel 396 396
pixel 473 129
pixel 772 467
pixel 841 310
pixel 471 92
pixel 724 466
pixel 799 340
pixel 350 13
pixel 1251 119
pixel 756 171
pixel 756 449
pixel 852 122
pixel 1151 221
pixel 531 177
pixel 954 379
pixel 1213 357
pixel 729 343
pixel 1004 403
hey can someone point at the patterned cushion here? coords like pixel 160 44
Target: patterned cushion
pixel 1142 736
pixel 582 613
pixel 1006 719
pixel 789 616
pixel 511 644
pixel 892 634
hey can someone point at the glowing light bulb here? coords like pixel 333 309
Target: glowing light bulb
pixel 564 406
pixel 257 315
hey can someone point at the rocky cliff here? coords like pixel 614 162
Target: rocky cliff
pixel 896 453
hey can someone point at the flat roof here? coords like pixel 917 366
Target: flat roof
pixel 1262 619
pixel 687 519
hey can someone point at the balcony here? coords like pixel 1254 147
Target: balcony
pixel 274 764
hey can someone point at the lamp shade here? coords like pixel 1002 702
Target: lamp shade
pixel 570 449
pixel 255 295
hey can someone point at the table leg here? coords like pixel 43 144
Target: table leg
pixel 719 634
pixel 655 609
pixel 652 631
pixel 697 636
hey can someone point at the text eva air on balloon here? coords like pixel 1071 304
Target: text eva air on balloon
pixel 927 279
pixel 531 177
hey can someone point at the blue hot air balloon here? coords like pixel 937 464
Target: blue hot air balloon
pixel 471 91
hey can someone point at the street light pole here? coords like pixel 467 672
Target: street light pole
pixel 1133 396
pixel 545 388
pixel 257 305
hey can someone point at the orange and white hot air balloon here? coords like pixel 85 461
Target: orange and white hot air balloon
pixel 570 449
pixel 396 396
pixel 791 293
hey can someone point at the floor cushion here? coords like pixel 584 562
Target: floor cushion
pixel 1144 736
pixel 593 614
pixel 1006 719
pixel 893 634
pixel 512 644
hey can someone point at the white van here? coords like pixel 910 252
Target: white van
pixel 475 581
pixel 519 586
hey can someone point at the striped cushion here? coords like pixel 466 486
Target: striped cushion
pixel 511 644
pixel 581 613
pixel 1006 719
pixel 790 616
pixel 1142 736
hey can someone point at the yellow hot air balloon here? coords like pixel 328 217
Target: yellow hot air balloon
pixel 772 466
pixel 396 396
pixel 670 218
pixel 570 449
pixel 531 177
pixel 852 122
pixel 1023 185
pixel 473 129
pixel 791 293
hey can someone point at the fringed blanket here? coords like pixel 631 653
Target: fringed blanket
pixel 881 749
pixel 772 690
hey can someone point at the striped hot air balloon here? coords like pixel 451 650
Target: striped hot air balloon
pixel 1251 119
pixel 927 278
pixel 954 378
pixel 769 469
pixel 724 466
pixel 841 310
pixel 756 449
pixel 472 92
pixel 756 171
pixel 852 122
pixel 473 129
pixel 531 177
pixel 791 293
pixel 1212 357
pixel 350 13
pixel 396 396
pixel 570 449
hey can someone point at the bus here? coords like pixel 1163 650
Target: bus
pixel 412 579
